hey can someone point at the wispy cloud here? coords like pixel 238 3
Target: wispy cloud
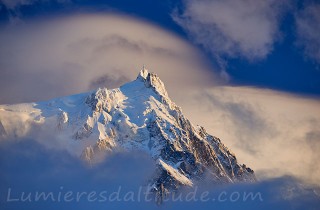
pixel 14 7
pixel 273 132
pixel 119 182
pixel 233 28
pixel 280 193
pixel 15 4
pixel 308 30
pixel 52 58
pixel 108 81
pixel 28 167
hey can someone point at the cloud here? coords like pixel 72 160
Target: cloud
pixel 62 56
pixel 14 8
pixel 108 81
pixel 244 28
pixel 246 118
pixel 15 4
pixel 280 193
pixel 274 133
pixel 308 30
pixel 28 167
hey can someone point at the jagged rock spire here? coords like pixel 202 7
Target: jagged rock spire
pixel 144 72
pixel 151 80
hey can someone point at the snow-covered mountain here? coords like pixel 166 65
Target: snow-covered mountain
pixel 137 116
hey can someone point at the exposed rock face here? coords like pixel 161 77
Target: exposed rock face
pixel 140 116
pixel 185 153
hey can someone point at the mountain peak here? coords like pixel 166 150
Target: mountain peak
pixel 151 80
pixel 143 73
pixel 137 116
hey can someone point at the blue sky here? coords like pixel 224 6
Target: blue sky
pixel 279 60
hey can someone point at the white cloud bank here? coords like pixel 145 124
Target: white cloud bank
pixel 119 182
pixel 273 132
pixel 52 58
pixel 244 28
